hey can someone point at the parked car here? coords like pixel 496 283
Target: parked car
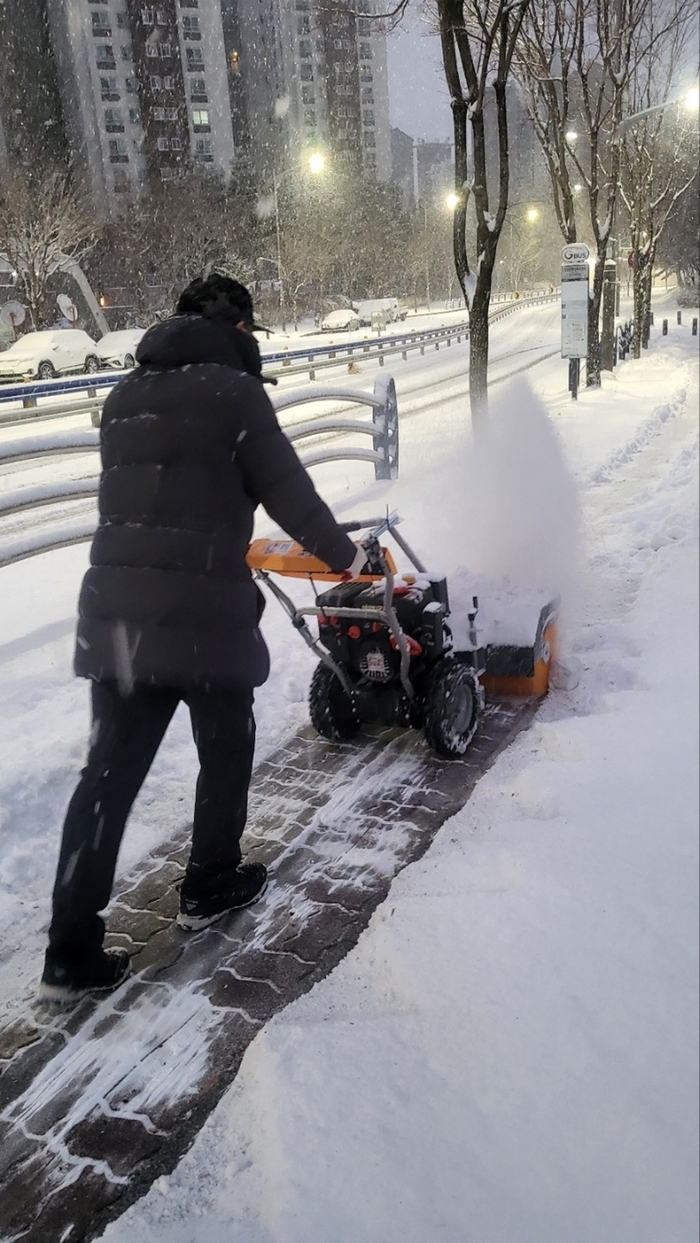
pixel 42 355
pixel 340 321
pixel 388 307
pixel 118 349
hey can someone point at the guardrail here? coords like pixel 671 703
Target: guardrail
pixel 384 455
pixel 282 362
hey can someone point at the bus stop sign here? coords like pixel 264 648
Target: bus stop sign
pixel 574 300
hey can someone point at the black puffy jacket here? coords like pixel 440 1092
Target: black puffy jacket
pixel 190 446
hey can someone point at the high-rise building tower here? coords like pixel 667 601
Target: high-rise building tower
pixel 144 91
pixel 336 80
pixel 32 134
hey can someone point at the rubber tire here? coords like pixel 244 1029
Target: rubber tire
pixel 92 364
pixel 45 370
pixel 129 362
pixel 451 708
pixel 332 712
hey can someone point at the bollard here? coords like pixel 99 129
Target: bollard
pixel 312 373
pixel 694 330
pixel 664 328
pixel 679 317
pixel 651 317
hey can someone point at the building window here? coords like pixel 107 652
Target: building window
pixel 108 87
pixel 113 121
pixel 134 116
pixel 165 50
pixel 163 144
pixel 370 140
pixel 171 114
pixel 303 25
pixel 310 116
pixel 202 149
pixel 200 117
pixel 189 4
pixel 155 82
pixel 198 91
pixel 151 50
pixel 195 59
pixel 367 95
pixel 100 24
pixel 364 26
pixel 105 56
pixel 168 174
pixel 308 95
pixel 121 180
pixel 175 144
pixel 365 51
pixel 127 53
pixel 368 116
pixel 365 75
pixel 306 73
pixel 159 114
pixel 168 84
pixel 123 21
pixel 117 151
pixel 190 27
pixel 161 18
pixel 147 17
pixel 305 47
pixel 130 84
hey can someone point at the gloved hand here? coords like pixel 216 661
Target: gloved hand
pixel 368 559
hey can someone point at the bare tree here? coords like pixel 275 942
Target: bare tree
pixel 659 161
pixel 478 39
pixel 42 224
pixel 576 59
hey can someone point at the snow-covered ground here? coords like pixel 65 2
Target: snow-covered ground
pixel 509 1054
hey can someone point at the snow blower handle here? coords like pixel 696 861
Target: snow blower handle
pixel 369 560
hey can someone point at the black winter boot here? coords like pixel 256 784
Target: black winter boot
pixel 199 910
pixel 64 983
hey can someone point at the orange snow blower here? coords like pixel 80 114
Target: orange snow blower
pixel 386 653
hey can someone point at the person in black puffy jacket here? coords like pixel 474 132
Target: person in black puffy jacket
pixel 168 611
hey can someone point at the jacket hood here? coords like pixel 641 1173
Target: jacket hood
pixel 186 339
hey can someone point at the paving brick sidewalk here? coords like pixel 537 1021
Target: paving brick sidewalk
pixel 97 1104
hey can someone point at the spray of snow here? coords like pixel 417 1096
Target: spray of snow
pixel 521 502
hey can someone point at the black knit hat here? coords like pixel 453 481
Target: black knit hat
pixel 219 297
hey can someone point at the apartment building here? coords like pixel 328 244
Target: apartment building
pixel 144 91
pixel 324 65
pixel 32 132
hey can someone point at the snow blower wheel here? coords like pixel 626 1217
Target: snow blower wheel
pixel 451 707
pixel 330 708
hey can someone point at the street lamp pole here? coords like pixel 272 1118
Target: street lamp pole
pixel 689 100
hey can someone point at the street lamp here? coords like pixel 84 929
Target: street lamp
pixel 690 100
pixel 571 135
pixel 532 215
pixel 452 201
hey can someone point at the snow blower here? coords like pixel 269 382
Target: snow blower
pixel 386 652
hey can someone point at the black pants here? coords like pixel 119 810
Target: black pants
pixel 126 734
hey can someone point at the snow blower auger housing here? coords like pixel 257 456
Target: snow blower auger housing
pixel 385 649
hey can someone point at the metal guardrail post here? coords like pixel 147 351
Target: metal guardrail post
pixel 385 417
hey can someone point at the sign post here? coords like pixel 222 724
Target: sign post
pixel 574 309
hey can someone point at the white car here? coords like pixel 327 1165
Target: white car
pixel 42 355
pixel 118 349
pixel 340 321
pixel 388 307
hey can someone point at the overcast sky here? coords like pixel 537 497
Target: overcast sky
pixel 418 100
